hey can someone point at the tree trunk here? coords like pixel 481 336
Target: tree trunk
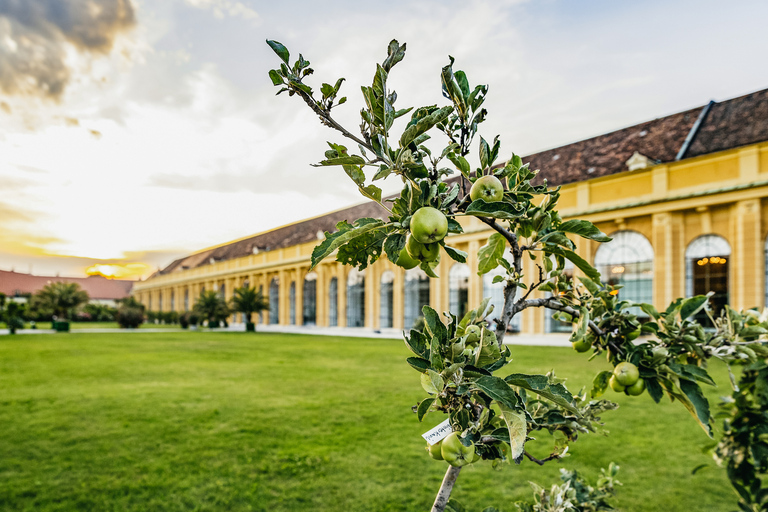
pixel 444 494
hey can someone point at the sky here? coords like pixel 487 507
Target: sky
pixel 133 132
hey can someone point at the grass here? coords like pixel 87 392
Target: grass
pixel 236 421
pixel 98 325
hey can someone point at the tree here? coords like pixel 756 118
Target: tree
pixel 12 313
pixel 248 301
pixel 60 299
pixel 211 306
pixel 457 365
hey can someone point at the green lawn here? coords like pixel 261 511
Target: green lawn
pixel 235 421
pixel 98 325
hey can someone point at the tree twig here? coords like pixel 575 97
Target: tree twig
pixel 541 462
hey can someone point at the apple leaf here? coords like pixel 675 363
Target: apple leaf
pixel 280 50
pixel 518 430
pixel 600 384
pixel 393 246
pixel 455 254
pixel 363 249
pixel 420 125
pixel 424 406
pixel 345 232
pixel 582 264
pixel 461 163
pixel 496 209
pixel 436 327
pixel 539 384
pixel 498 390
pixel 693 399
pixel 584 229
pixel 417 343
pixel 371 192
pixel 692 306
pixel 418 364
pixel 432 382
pixel 489 255
pixel 341 160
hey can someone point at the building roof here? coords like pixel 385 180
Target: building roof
pixel 97 287
pixel 729 124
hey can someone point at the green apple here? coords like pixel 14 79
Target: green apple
pixel 626 373
pixel 487 188
pixel 429 225
pixel 435 450
pixel 420 251
pixel 404 260
pixel 473 332
pixel 637 388
pixel 581 345
pixel 614 384
pixel 455 453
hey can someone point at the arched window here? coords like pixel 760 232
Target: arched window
pixel 223 291
pixel 173 300
pixel 416 295
pixel 149 307
pixel 274 301
pixel 246 283
pixel 556 325
pixel 186 299
pixel 292 303
pixel 333 302
pixel 458 289
pixel 385 299
pixel 309 299
pixel 356 298
pixel 706 270
pixel 160 301
pixel 627 260
pixel 496 292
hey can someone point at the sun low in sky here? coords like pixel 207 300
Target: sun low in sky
pixel 133 132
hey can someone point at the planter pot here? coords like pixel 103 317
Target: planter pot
pixel 61 326
pixel 250 327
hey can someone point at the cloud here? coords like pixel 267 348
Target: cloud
pixel 223 8
pixel 37 35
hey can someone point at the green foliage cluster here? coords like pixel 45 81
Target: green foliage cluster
pixel 130 313
pixel 12 313
pixel 211 307
pixel 247 300
pixel 59 299
pixel 498 415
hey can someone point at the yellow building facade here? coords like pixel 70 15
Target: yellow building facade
pixel 681 226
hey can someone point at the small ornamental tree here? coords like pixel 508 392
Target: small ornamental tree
pixel 247 300
pixel 60 299
pixel 492 418
pixel 211 306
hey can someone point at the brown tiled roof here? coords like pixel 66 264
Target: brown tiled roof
pixel 286 236
pixel 728 124
pixel 97 287
pixel 659 140
pixel 731 124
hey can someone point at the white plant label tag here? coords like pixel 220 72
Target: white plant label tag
pixel 438 433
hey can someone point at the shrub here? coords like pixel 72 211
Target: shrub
pixel 130 317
